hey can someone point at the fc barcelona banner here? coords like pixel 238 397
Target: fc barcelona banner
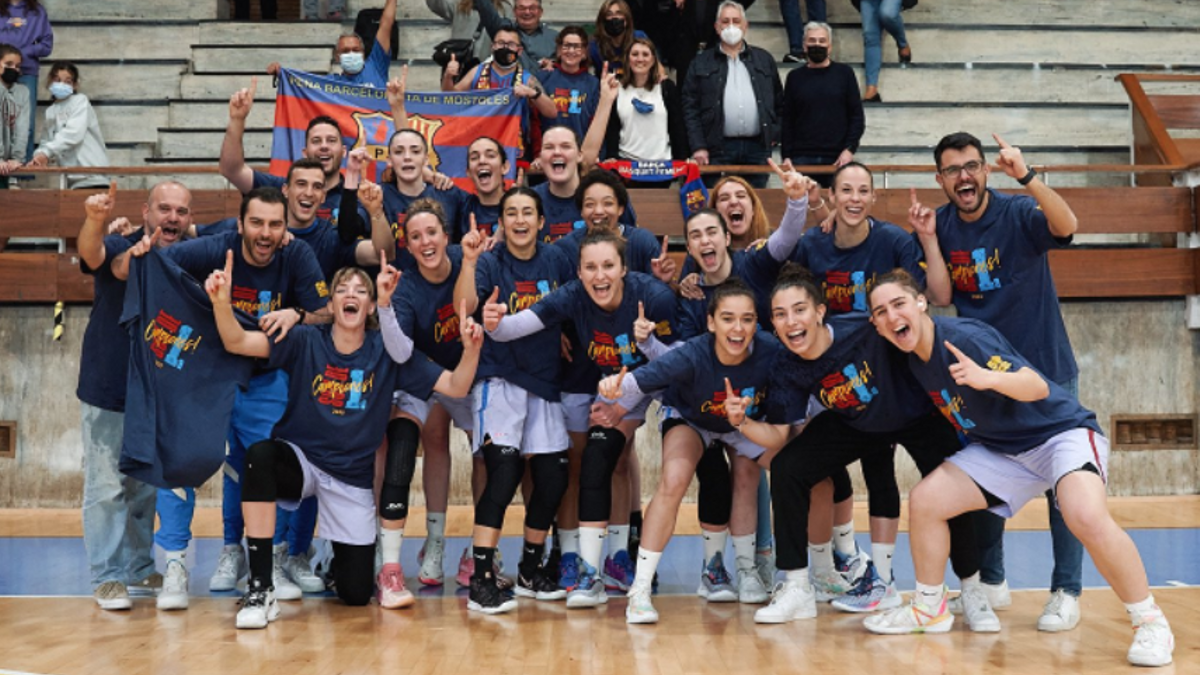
pixel 449 121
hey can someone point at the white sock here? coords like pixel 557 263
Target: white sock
pixel 743 551
pixel 797 576
pixel 930 596
pixel 647 565
pixel 714 543
pixel 568 541
pixel 882 555
pixel 389 544
pixel 1141 612
pixel 972 580
pixel 591 545
pixel 820 556
pixel 618 538
pixel 435 525
pixel 175 555
pixel 843 539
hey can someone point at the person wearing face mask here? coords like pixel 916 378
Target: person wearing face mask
pixel 539 42
pixel 613 37
pixel 72 134
pixel 358 67
pixel 733 99
pixel 823 119
pixel 24 24
pixel 14 113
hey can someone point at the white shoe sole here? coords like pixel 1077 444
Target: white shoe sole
pixel 115 605
pixel 169 603
pixel 719 596
pixel 753 598
pixel 506 606
pixel 1057 627
pixel 884 605
pixel 247 624
pixel 943 627
pixel 776 619
pixel 219 585
pixel 639 619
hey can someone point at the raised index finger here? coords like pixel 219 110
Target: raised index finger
pixel 962 358
pixel 912 193
pixel 229 265
pixel 1000 141
pixel 666 242
pixel 253 87
pixel 621 378
pixel 641 311
pixel 112 193
pixel 776 168
pixel 729 393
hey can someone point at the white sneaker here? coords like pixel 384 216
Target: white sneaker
pixel 1061 613
pixel 750 587
pixel 432 572
pixel 231 568
pixel 998 596
pixel 1153 643
pixel 640 609
pixel 911 618
pixel 112 595
pixel 790 601
pixel 977 609
pixel 174 593
pixel 284 588
pixel 299 570
pixel 258 607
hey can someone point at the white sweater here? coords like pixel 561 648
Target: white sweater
pixel 72 138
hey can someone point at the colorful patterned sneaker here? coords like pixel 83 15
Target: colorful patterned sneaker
pixel 911 618
pixel 258 606
pixel 791 601
pixel 539 585
pixel 231 568
pixel 588 590
pixel 618 571
pixel 568 571
pixel 466 568
pixel 828 584
pixel 869 594
pixel 112 595
pixel 487 598
pixel 851 567
pixel 640 609
pixel 1153 642
pixel 715 583
pixel 431 559
pixel 977 609
pixel 1061 613
pixel 390 590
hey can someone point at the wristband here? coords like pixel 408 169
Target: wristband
pixel 301 312
pixel 1025 180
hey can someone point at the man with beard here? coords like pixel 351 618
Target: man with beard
pixel 995 250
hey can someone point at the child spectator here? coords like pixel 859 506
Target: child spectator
pixel 14 113
pixel 24 25
pixel 72 136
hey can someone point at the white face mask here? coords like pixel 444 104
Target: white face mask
pixel 352 62
pixel 732 35
pixel 61 90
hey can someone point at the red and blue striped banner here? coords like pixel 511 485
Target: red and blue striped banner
pixel 450 121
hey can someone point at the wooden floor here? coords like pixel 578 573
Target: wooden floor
pixel 318 637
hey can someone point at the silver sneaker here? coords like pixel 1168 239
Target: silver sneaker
pixel 174 593
pixel 231 568
pixel 299 570
pixel 750 587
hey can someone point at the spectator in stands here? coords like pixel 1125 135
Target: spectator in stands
pixel 823 117
pixel 358 67
pixel 795 26
pixel 648 121
pixel 14 113
pixel 72 135
pixel 465 21
pixel 877 16
pixel 732 98
pixel 575 91
pixel 269 9
pixel 538 41
pixel 24 25
pixel 335 10
pixel 614 34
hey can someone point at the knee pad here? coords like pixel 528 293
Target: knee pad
pixel 550 473
pixel 505 469
pixel 714 500
pixel 843 489
pixel 600 455
pixel 259 482
pixel 403 436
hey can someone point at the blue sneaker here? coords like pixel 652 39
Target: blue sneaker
pixel 870 593
pixel 588 590
pixel 568 571
pixel 715 583
pixel 618 572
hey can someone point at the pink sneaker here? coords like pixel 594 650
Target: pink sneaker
pixel 466 568
pixel 391 591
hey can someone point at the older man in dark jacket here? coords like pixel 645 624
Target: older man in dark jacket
pixel 732 98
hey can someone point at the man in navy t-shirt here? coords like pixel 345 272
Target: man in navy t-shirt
pixel 118 511
pixel 997 270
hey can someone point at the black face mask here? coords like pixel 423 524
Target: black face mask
pixel 10 75
pixel 504 56
pixel 817 54
pixel 614 27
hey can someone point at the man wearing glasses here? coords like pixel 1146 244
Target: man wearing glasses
pixel 996 269
pixel 537 39
pixel 503 70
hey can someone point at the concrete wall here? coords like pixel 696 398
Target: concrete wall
pixel 1135 357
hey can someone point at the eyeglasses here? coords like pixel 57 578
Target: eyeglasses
pixel 572 47
pixel 972 167
pixel 507 45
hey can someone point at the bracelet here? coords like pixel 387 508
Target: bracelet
pixel 1027 178
pixel 301 312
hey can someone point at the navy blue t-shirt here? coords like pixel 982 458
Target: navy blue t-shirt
pixel 531 362
pixel 321 236
pixel 576 97
pixel 104 361
pixel 339 404
pixel 328 208
pixel 563 216
pixel 692 380
pixel 292 278
pixel 426 312
pixel 487 218
pixel 757 268
pixel 395 207
pixel 606 338
pixel 861 378
pixel 181 381
pixel 1000 423
pixel 640 248
pixel 848 274
pixel 1001 275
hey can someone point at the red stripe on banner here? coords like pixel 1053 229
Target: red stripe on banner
pixel 279 167
pixel 463 131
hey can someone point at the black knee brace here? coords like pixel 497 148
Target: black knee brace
pixel 600 455
pixel 272 472
pixel 843 489
pixel 879 473
pixel 403 436
pixel 550 473
pixel 504 471
pixel 714 500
